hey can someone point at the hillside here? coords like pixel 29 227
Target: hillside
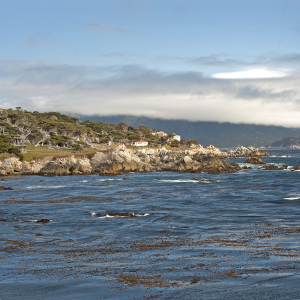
pixel 289 142
pixel 207 133
pixel 21 128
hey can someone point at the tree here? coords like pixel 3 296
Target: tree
pixel 7 147
pixel 175 143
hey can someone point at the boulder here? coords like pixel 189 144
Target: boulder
pixel 56 167
pixel 82 166
pixel 255 161
pixel 296 168
pixel 4 188
pixel 10 165
pixel 273 167
pixel 71 162
pixel 31 168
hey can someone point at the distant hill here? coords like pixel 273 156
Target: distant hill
pixel 289 142
pixel 218 134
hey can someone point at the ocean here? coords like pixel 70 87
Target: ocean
pixel 158 235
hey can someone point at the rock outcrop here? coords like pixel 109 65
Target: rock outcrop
pixel 255 161
pixel 246 152
pixel 4 188
pixel 273 167
pixel 121 160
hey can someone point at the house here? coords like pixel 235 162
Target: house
pixel 159 133
pixel 176 137
pixel 140 143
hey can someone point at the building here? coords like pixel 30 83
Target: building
pixel 159 133
pixel 140 143
pixel 176 137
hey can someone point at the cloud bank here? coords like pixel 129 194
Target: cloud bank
pixel 256 73
pixel 136 90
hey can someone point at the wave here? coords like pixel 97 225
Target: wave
pixel 136 215
pixel 47 187
pixel 82 181
pixel 94 214
pixel 185 180
pixel 109 179
pixel 292 198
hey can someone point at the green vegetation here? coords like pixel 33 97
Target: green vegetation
pixel 7 147
pixel 53 129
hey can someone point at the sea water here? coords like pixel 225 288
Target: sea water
pixel 236 238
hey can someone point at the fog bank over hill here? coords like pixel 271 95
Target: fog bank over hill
pixel 206 133
pixel 135 89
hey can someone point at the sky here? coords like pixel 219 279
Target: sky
pixel 201 60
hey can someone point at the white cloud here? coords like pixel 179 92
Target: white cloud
pixel 136 90
pixel 257 73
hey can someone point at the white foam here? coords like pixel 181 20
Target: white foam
pixel 186 180
pixel 137 215
pixel 106 216
pixel 292 198
pixel 109 179
pixel 82 181
pixel 94 214
pixel 46 187
pixel 178 180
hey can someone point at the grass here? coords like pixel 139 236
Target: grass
pixel 35 153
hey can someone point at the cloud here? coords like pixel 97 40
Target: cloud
pixel 38 40
pixel 216 61
pixel 252 73
pixel 136 90
pixel 221 61
pixel 104 28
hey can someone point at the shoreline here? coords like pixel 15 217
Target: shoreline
pixel 119 160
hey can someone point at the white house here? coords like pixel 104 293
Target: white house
pixel 140 143
pixel 176 137
pixel 159 133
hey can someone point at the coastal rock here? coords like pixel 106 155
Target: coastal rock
pixel 296 168
pixel 97 159
pixel 10 165
pixel 205 180
pixel 244 152
pixel 4 188
pixel 273 167
pixel 123 160
pixel 31 168
pixel 82 166
pixel 255 161
pixel 56 167
pixel 71 162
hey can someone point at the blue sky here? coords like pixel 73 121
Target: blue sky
pixel 234 61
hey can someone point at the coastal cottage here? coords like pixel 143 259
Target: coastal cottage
pixel 140 143
pixel 159 133
pixel 176 137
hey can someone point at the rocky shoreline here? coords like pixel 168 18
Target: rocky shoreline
pixel 121 160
